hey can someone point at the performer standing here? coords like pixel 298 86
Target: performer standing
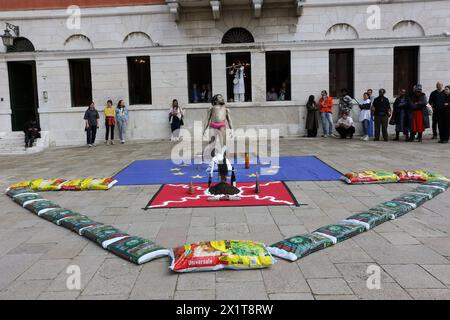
pixel 238 69
pixel 217 119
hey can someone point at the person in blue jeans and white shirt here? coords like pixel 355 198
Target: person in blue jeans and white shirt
pixel 122 120
pixel 365 115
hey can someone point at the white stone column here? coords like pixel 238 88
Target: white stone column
pixel 374 69
pixel 219 74
pixel 5 107
pixel 109 80
pixel 434 66
pixel 169 80
pixel 258 76
pixel 309 76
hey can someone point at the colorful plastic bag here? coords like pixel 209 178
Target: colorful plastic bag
pixel 15 192
pixel 97 184
pixel 217 255
pixel 71 185
pixel 137 250
pixel 411 176
pixel 104 235
pixel 77 223
pixel 21 184
pixel 24 198
pixel 300 246
pixel 437 176
pixel 41 206
pixel 56 215
pixel 46 184
pixel 340 231
pixel 368 220
pixel 364 177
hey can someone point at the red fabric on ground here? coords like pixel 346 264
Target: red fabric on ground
pixel 273 193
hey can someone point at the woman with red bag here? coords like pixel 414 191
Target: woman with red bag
pixel 110 121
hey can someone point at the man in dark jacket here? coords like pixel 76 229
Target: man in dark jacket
pixel 443 109
pixel 32 132
pixel 434 101
pixel 381 109
pixel 400 115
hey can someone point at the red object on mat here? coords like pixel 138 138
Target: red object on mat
pixel 274 193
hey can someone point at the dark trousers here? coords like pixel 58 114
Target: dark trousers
pixel 91 132
pixel 382 121
pixel 29 139
pixel 344 132
pixel 435 119
pixel 108 129
pixel 444 124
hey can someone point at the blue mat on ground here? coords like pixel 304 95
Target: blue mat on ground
pixel 305 168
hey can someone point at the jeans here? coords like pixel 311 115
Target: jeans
pixel 91 132
pixel 366 127
pixel 327 123
pixel 122 126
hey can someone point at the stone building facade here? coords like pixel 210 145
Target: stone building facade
pixel 168 31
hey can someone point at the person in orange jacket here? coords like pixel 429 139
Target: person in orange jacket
pixel 326 113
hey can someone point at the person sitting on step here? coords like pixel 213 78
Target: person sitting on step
pixel 32 132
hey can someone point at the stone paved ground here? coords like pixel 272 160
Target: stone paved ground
pixel 413 251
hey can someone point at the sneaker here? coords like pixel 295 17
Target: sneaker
pixel 333 135
pixel 112 142
pixel 106 141
pixel 94 145
pixel 122 141
pixel 366 138
pixel 89 145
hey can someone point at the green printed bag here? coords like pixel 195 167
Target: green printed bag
pixel 77 223
pixel 413 199
pixel 15 192
pixel 137 250
pixel 56 215
pixel 300 246
pixel 431 191
pixel 394 209
pixel 340 231
pixel 25 198
pixel 368 220
pixel 102 234
pixel 437 183
pixel 41 206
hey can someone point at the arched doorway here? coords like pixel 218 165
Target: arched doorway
pixel 238 36
pixel 22 86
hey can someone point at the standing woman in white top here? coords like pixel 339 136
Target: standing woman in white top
pixel 239 83
pixel 176 120
pixel 365 116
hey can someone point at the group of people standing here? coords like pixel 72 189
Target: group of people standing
pixel 410 114
pixel 113 116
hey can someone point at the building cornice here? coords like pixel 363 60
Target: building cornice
pixel 225 48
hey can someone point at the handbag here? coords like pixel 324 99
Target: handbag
pixel 182 121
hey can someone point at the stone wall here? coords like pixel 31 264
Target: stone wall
pixel 105 39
